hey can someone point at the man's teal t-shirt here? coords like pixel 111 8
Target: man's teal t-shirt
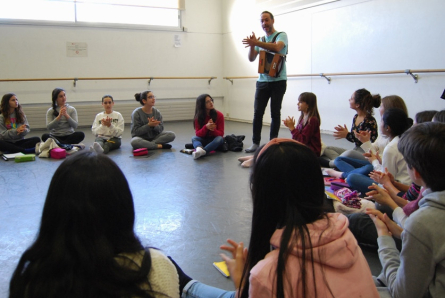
pixel 283 74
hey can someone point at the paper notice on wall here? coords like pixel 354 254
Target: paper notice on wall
pixel 76 49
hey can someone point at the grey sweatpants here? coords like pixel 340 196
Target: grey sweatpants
pixel 162 138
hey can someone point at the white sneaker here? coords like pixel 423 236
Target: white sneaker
pixel 45 145
pixel 98 148
pixel 74 150
pixel 198 153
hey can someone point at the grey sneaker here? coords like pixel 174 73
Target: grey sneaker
pixel 252 148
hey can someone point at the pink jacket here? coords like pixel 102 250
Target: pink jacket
pixel 336 255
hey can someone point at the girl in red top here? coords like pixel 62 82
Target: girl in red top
pixel 308 128
pixel 209 127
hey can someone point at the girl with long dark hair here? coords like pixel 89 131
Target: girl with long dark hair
pixel 209 127
pixel 14 127
pixel 86 245
pixel 296 249
pixel 61 120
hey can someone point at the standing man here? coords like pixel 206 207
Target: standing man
pixel 267 86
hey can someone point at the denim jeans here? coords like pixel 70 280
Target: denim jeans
pixel 208 144
pixel 265 90
pixel 196 289
pixel 360 183
pixel 349 166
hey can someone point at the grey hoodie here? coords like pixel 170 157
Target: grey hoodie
pixel 419 269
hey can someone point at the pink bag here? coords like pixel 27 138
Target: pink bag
pixel 57 153
pixel 140 152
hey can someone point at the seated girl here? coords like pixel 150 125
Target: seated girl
pixel 363 103
pixel 209 127
pixel 394 123
pixel 61 120
pixel 147 127
pixel 308 129
pixel 14 127
pixel 86 245
pixel 296 249
pixel 388 102
pixel 108 127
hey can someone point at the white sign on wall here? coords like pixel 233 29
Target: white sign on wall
pixel 76 49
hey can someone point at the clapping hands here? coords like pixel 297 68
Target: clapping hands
pixel 106 121
pixel 250 41
pixel 384 225
pixel 235 264
pixel 63 113
pixel 289 122
pixel 152 122
pixel 363 136
pixel 340 132
pixel 211 125
pixel 21 129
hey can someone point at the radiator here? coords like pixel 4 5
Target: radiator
pixel 171 110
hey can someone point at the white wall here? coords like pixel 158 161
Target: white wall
pixel 346 36
pixel 40 52
pixel 349 35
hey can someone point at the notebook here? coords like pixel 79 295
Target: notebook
pixel 222 267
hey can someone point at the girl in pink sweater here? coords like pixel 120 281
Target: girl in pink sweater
pixel 296 249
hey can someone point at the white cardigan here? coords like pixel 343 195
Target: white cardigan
pixel 394 161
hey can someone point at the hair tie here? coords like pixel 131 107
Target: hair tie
pixel 277 141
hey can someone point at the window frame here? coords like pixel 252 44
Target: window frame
pixel 80 24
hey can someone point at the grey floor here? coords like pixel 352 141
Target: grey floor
pixel 186 208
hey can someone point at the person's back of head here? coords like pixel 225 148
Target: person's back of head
pixel 439 117
pixel 424 116
pixel 87 220
pixel 397 120
pixel 287 192
pixel 423 148
pixel 394 101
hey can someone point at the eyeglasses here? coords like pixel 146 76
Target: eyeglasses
pixel 151 97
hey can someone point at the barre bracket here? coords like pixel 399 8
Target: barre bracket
pixel 75 82
pixel 415 77
pixel 231 81
pixel 149 81
pixel 211 79
pixel 327 78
